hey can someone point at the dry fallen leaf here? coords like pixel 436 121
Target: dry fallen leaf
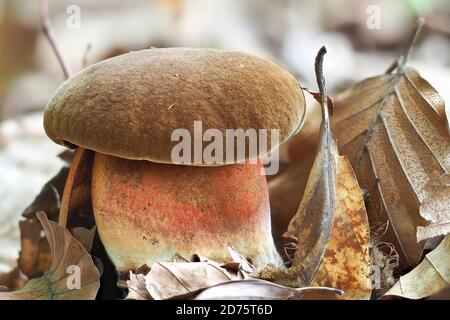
pixel 350 234
pixel 13 280
pixel 137 289
pixel 243 265
pixel 253 289
pixel 435 208
pixel 346 263
pixel 310 228
pixel 207 279
pixel 430 277
pixel 69 257
pixel 85 236
pixel 35 256
pixel 318 97
pixel 330 229
pixel 168 279
pixel 393 130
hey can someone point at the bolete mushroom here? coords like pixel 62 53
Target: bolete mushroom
pixel 147 207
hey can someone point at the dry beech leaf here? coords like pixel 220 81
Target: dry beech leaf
pixel 208 280
pixel 392 129
pixel 435 208
pixel 311 227
pixel 137 289
pixel 179 258
pixel 350 233
pixel 85 236
pixel 318 97
pixel 253 289
pixel 66 251
pixel 330 229
pixel 35 256
pixel 346 263
pixel 430 277
pixel 242 263
pixel 168 279
pixel 13 280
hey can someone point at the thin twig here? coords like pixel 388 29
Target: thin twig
pixel 412 41
pixel 399 63
pixel 321 84
pixel 48 31
pixel 392 67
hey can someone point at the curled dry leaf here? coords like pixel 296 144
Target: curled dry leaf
pixel 244 266
pixel 169 279
pixel 137 289
pixel 179 258
pixel 67 252
pixel 311 227
pixel 318 96
pixel 346 263
pixel 392 129
pixel 85 236
pixel 13 280
pixel 330 229
pixel 207 280
pixel 35 256
pixel 430 277
pixel 253 289
pixel 435 208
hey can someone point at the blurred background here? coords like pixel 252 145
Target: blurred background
pixel 363 38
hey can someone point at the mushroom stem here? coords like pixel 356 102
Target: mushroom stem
pixel 146 212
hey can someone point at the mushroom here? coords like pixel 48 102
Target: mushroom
pixel 147 206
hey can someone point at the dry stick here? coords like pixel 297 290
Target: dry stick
pixel 48 31
pixel 79 153
pixel 400 62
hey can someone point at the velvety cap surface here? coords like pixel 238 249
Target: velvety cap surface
pixel 129 106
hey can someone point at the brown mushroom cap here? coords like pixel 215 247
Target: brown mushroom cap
pixel 128 106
